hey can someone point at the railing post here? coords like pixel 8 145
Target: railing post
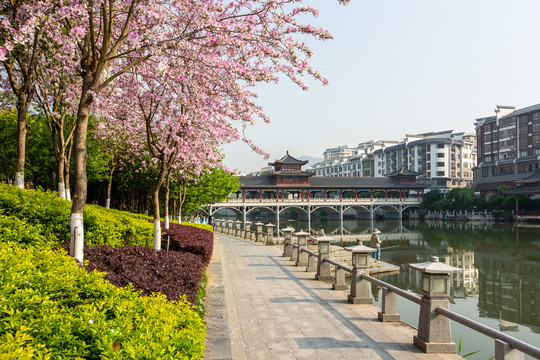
pixel 434 332
pixel 389 307
pixel 270 234
pixel 311 263
pixel 302 257
pixel 339 282
pixel 360 289
pixel 503 351
pixel 323 268
pixel 287 237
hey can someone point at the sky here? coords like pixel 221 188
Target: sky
pixel 398 67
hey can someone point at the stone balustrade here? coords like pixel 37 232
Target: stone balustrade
pixel 434 330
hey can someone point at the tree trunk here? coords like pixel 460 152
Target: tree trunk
pixel 79 164
pixel 181 198
pixel 109 186
pixel 157 223
pixel 166 206
pixel 155 201
pixel 61 176
pixel 22 110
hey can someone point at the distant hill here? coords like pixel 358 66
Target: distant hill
pixel 312 160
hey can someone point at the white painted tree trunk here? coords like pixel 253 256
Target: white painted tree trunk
pixel 19 180
pixel 68 195
pixel 157 235
pixel 77 244
pixel 166 222
pixel 62 190
pixel 108 203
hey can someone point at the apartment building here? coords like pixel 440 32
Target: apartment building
pixel 508 147
pixel 444 159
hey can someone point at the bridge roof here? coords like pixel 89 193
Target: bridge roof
pixel 322 182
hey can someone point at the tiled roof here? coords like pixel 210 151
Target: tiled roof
pixel 288 160
pixel 320 182
pixel 403 172
pixel 533 179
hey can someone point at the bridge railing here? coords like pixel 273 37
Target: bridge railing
pixel 434 334
pixel 321 201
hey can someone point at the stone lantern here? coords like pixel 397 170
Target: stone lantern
pixel 229 227
pixel 259 227
pixel 323 268
pixel 434 333
pixel 238 228
pixel 301 257
pixel 270 234
pixel 360 289
pixel 247 230
pixel 287 237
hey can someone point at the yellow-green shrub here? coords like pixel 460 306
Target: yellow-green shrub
pixel 51 308
pixel 101 226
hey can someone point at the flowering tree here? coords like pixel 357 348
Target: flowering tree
pixel 56 93
pixel 26 29
pixel 221 48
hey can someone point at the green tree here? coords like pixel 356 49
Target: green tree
pixel 432 200
pixel 213 187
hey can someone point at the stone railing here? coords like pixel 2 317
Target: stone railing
pixel 434 330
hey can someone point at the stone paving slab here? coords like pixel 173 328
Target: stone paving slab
pixel 275 310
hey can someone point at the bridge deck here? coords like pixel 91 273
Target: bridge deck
pixel 261 306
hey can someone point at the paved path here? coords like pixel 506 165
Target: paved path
pixel 261 306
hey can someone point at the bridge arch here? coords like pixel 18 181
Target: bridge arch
pixel 284 208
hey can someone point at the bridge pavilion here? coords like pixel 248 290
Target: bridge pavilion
pixel 288 186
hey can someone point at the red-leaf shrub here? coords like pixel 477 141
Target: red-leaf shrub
pixel 173 274
pixel 191 239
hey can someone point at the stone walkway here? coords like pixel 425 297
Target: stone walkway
pixel 261 306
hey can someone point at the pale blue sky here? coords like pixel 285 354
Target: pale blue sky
pixel 401 67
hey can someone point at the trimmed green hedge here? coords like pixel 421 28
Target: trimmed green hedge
pixel 200 226
pixel 51 308
pixel 101 226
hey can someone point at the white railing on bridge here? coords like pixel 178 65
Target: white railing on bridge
pixel 323 201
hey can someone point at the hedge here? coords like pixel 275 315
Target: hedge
pixel 51 308
pixel 191 239
pixel 173 274
pixel 101 226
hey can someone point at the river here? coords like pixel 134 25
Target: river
pixel 499 285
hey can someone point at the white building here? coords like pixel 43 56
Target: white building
pixel 445 159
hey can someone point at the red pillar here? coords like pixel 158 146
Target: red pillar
pixel 340 195
pixel 227 198
pixel 386 195
pixel 324 195
pixel 277 195
pixel 371 192
pixel 356 197
pixel 308 196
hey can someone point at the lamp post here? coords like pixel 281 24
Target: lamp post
pixel 302 257
pixel 434 332
pixel 270 234
pixel 360 289
pixel 287 237
pixel 323 268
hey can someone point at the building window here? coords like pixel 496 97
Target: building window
pixel 440 155
pixel 487 158
pixel 440 146
pixel 440 164
pixel 523 153
pixel 440 173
